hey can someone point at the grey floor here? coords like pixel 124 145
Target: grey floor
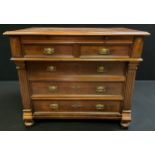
pixel 143 113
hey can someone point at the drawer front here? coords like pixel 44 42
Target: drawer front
pixel 49 69
pixel 98 51
pixel 77 106
pixel 48 51
pixel 77 88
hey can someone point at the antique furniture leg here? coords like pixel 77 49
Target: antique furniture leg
pixel 28 118
pixel 24 89
pixel 126 112
pixel 76 73
pixel 126 118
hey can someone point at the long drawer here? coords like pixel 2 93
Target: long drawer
pixel 49 69
pixel 77 106
pixel 76 88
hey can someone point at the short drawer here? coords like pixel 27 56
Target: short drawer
pixel 48 51
pixel 77 88
pixel 77 106
pixel 45 70
pixel 98 51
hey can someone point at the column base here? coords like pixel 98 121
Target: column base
pixel 126 119
pixel 28 117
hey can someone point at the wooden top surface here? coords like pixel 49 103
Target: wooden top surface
pixel 77 31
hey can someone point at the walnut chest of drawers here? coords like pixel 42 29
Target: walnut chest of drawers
pixel 76 73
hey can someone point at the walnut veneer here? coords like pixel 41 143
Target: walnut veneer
pixel 76 73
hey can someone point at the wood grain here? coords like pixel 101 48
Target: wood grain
pixel 38 51
pixel 42 69
pixel 79 59
pixel 78 115
pixel 24 85
pixel 77 88
pixel 77 97
pixel 15 46
pixel 93 51
pixel 76 106
pixel 75 70
pixel 78 31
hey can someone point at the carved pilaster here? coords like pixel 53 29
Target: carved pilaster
pixel 24 85
pixel 129 86
pixel 137 47
pixel 15 46
pixel 25 92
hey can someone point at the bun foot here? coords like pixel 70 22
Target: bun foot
pixel 126 118
pixel 28 117
pixel 28 123
pixel 125 124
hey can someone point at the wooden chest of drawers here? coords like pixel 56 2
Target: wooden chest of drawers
pixel 76 73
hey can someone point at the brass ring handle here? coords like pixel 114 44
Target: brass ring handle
pixel 104 51
pixel 52 88
pixel 48 51
pixel 54 106
pixel 99 106
pixel 100 89
pixel 100 69
pixel 51 68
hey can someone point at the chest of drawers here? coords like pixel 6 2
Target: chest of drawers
pixel 76 73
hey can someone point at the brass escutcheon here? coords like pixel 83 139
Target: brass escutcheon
pixel 48 51
pixel 100 89
pixel 54 106
pixel 99 106
pixel 51 68
pixel 52 88
pixel 100 69
pixel 104 51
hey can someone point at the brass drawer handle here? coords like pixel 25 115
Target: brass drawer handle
pixel 104 51
pixel 54 106
pixel 48 51
pixel 100 69
pixel 52 88
pixel 100 89
pixel 51 68
pixel 99 106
